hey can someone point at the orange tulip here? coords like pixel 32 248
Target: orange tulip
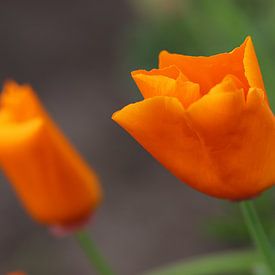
pixel 207 120
pixel 55 185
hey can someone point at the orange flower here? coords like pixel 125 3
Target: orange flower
pixel 207 120
pixel 55 185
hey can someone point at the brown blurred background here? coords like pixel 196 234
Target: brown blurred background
pixel 78 55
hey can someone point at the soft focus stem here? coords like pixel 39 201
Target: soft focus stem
pixel 258 234
pixel 91 251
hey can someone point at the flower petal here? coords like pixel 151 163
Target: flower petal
pixel 186 91
pixel 170 71
pixel 54 183
pixel 17 134
pixel 160 125
pixel 251 66
pixel 154 85
pixel 210 70
pixel 220 109
pixel 151 85
pixel 239 138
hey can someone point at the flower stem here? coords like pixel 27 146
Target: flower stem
pixel 91 251
pixel 258 234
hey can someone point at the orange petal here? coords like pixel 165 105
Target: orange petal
pixel 159 124
pixel 170 71
pixel 21 105
pixel 251 66
pixel 209 71
pixel 239 138
pixel 154 85
pixel 14 134
pixel 52 180
pixel 186 91
pixel 151 85
pixel 219 109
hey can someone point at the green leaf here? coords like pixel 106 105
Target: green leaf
pixel 222 263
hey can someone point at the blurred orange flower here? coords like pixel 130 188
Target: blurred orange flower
pixel 207 120
pixel 55 185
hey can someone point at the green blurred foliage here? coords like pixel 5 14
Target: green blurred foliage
pixel 207 27
pixel 230 228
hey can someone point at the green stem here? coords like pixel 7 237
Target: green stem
pixel 258 234
pixel 221 263
pixel 94 256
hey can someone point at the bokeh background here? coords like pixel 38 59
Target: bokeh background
pixel 78 55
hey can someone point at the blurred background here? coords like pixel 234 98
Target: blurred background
pixel 78 56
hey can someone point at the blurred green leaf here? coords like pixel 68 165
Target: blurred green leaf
pixel 241 262
pixel 230 228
